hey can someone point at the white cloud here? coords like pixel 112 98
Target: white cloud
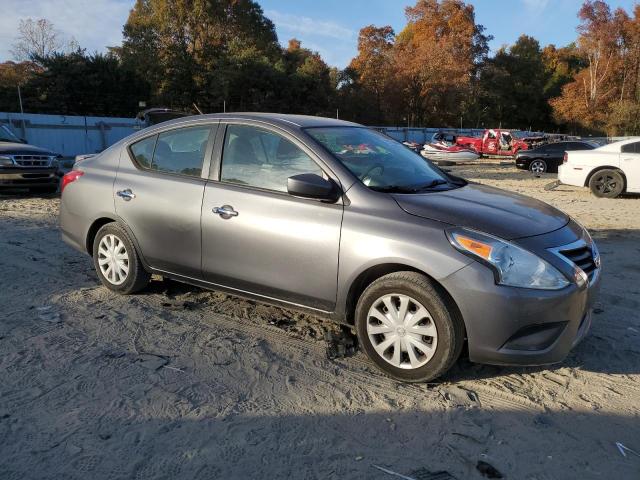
pixel 95 24
pixel 535 7
pixel 308 26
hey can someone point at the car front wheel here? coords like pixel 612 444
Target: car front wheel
pixel 406 328
pixel 606 183
pixel 117 262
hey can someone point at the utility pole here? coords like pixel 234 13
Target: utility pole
pixel 224 106
pixel 337 113
pixel 24 126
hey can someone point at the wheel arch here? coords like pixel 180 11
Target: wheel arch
pixel 105 220
pixel 371 274
pixel 606 167
pixel 93 231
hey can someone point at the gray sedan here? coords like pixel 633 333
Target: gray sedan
pixel 339 220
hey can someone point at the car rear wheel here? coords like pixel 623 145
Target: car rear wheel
pixel 405 327
pixel 606 183
pixel 538 166
pixel 117 262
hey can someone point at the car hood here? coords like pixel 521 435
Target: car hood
pixel 491 210
pixel 10 148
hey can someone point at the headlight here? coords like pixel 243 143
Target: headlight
pixel 6 161
pixel 513 266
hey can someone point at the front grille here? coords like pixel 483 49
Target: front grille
pixel 582 257
pixel 32 160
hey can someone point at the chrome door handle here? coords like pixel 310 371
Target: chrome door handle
pixel 225 211
pixel 126 194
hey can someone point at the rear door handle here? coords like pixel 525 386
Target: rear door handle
pixel 225 211
pixel 126 194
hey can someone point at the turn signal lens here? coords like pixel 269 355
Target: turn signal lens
pixel 481 249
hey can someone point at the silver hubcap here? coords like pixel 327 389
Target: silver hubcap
pixel 113 259
pixel 402 331
pixel 537 167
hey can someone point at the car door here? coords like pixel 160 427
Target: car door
pixel 630 165
pixel 270 243
pixel 158 194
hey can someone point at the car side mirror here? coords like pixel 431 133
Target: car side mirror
pixel 310 185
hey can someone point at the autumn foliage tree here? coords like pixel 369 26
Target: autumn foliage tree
pixel 605 94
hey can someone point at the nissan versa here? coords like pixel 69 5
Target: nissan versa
pixel 339 220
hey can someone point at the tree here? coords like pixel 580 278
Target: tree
pixel 81 84
pixel 513 86
pixel 184 47
pixel 585 102
pixel 38 39
pixel 437 58
pixel 373 69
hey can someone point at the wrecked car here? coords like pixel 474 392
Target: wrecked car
pixel 339 220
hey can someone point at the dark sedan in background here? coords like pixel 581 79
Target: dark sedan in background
pixel 547 158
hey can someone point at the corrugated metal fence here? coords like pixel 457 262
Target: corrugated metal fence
pixel 74 135
pixel 69 135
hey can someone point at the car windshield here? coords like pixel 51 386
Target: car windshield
pixel 7 135
pixel 380 162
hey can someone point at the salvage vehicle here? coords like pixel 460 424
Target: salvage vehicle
pixel 283 209
pixel 547 158
pixel 494 142
pixel 26 166
pixel 153 116
pixel 608 171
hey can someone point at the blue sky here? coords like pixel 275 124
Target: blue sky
pixel 328 26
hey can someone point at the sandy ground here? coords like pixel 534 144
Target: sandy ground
pixel 177 382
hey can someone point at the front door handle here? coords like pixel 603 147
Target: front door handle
pixel 225 211
pixel 126 194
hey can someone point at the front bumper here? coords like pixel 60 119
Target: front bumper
pixel 28 177
pixel 518 326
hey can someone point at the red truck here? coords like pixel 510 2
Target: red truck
pixel 496 142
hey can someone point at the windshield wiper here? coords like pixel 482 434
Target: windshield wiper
pixel 409 188
pixel 431 184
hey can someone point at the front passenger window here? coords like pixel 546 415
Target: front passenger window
pixel 263 159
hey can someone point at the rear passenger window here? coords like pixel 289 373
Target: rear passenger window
pixel 631 148
pixel 179 151
pixel 143 151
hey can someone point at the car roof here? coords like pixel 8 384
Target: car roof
pixel 301 121
pixel 615 146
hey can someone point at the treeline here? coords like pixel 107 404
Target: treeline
pixel 436 72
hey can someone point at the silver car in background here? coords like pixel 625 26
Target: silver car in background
pixel 337 219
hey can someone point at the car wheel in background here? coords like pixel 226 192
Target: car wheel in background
pixel 405 327
pixel 538 166
pixel 117 262
pixel 606 183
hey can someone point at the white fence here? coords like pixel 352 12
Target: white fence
pixel 69 135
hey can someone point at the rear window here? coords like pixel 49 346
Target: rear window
pixel 631 148
pixel 180 151
pixel 143 151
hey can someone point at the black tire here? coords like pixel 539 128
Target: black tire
pixel 450 328
pixel 137 277
pixel 538 166
pixel 607 183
